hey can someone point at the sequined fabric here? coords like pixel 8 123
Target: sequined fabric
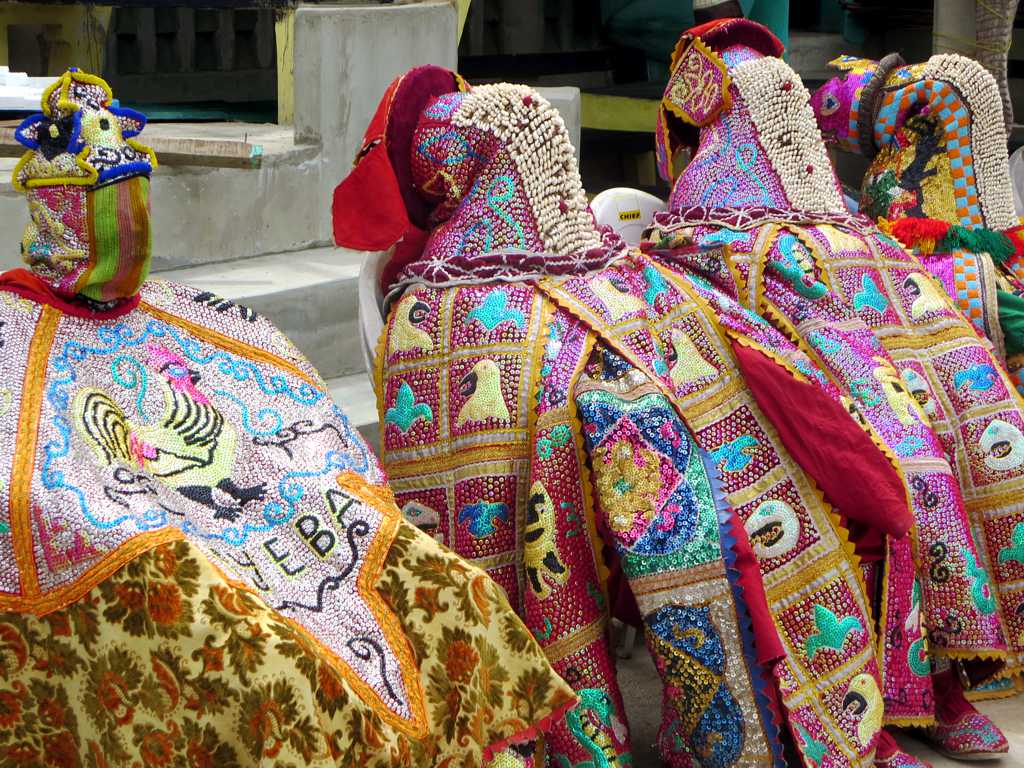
pixel 971 735
pixel 528 425
pixel 935 133
pixel 804 555
pixel 887 336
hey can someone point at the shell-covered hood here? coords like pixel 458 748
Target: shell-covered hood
pixel 456 172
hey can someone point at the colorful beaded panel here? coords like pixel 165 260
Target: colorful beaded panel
pixel 151 427
pixel 963 99
pixel 657 504
pixel 756 162
pixel 811 281
pixel 958 392
pixel 471 461
pixel 523 512
pixel 641 313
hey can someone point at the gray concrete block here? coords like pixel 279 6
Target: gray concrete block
pixel 345 57
pixel 311 295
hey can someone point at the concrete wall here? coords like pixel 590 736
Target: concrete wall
pixel 345 56
pixel 344 59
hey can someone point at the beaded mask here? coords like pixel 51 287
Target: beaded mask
pixel 498 166
pixel 87 184
pixel 481 169
pixel 844 106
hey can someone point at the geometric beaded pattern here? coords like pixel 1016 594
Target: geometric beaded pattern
pixel 943 101
pixel 971 408
pixel 457 378
pixel 977 417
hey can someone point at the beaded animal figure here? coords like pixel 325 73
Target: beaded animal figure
pixel 934 135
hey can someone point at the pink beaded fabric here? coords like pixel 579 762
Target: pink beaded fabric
pixel 760 185
pixel 536 409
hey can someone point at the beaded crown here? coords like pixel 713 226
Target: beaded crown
pixel 82 137
pixel 87 184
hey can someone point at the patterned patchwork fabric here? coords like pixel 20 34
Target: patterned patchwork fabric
pixel 888 337
pixel 801 555
pixel 652 499
pixel 461 379
pixel 657 505
pixel 897 399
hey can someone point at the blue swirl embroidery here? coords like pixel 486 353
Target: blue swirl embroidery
pixel 263 414
pixel 118 338
pixel 136 378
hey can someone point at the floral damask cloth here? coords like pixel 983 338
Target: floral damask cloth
pixel 188 417
pixel 167 664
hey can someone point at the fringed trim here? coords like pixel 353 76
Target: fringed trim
pixel 927 236
pixel 1013 686
pixel 908 722
pixel 969 654
pixel 531 732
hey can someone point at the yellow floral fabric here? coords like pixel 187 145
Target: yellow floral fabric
pixel 166 663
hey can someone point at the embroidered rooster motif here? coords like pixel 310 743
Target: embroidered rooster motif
pixel 190 447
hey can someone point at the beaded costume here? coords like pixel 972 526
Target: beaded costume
pixel 203 561
pixel 939 179
pixel 539 401
pixel 911 368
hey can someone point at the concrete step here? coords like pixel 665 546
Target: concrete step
pixel 311 295
pixel 810 52
pixel 354 395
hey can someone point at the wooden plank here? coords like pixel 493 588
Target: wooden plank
pixel 173 152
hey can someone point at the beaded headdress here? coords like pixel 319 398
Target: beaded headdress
pixel 87 183
pixel 845 106
pixel 698 88
pixel 476 170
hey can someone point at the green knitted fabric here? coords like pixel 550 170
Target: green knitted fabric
pixel 977 240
